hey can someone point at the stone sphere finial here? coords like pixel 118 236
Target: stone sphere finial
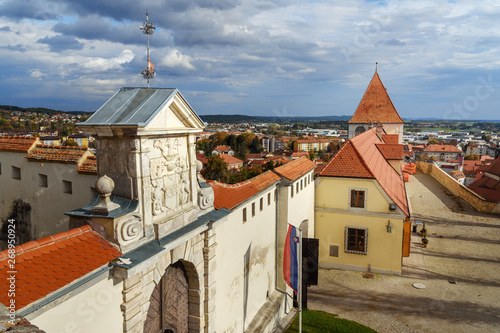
pixel 199 166
pixel 104 186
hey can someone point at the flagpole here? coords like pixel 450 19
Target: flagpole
pixel 300 281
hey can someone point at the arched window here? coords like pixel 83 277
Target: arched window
pixel 359 130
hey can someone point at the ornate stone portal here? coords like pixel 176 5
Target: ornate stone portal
pixel 145 141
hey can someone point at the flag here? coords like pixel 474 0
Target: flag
pixel 290 259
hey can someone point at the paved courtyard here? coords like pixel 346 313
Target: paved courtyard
pixel 460 270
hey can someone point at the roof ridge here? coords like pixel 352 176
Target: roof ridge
pixel 32 245
pixel 60 147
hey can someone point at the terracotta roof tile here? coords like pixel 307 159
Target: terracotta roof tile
pixel 57 153
pixel 296 168
pixel 360 158
pixel 442 148
pixel 376 105
pixel 89 165
pixel 494 167
pixel 230 196
pixel 44 266
pixel 222 148
pixel 390 138
pixel 487 193
pixel 347 163
pixel 230 159
pixel 391 151
pixel 18 143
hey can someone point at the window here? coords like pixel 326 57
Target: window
pixel 291 189
pixel 67 187
pixel 261 204
pixel 297 188
pixel 253 209
pixel 358 198
pixel 269 198
pixel 16 173
pixel 0 168
pixel 356 240
pixel 244 215
pixel 42 180
pixel 275 194
pixel 301 184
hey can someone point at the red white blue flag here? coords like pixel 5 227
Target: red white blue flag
pixel 290 259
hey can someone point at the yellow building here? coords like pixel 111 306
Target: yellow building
pixel 318 145
pixel 361 208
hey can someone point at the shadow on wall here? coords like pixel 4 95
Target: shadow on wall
pixel 23 233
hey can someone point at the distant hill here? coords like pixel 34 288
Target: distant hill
pixel 39 110
pixel 238 118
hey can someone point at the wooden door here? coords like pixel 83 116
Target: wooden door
pixel 169 303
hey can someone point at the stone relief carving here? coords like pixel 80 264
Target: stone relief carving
pixel 129 229
pixel 170 179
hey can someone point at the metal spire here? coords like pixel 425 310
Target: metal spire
pixel 148 28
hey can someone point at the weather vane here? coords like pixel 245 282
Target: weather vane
pixel 148 29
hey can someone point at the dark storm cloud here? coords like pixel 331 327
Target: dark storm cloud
pixel 33 9
pixel 61 43
pixel 97 28
pixel 5 29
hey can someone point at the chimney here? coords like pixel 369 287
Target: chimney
pixel 379 130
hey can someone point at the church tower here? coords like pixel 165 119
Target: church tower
pixel 376 107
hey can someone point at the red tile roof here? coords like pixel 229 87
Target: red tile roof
pixel 347 163
pixel 376 105
pixel 18 143
pixel 222 148
pixel 487 193
pixel 457 174
pixel 296 168
pixel 51 263
pixel 494 167
pixel 89 165
pixel 391 138
pixel 230 196
pixel 57 153
pixel 442 148
pixel 391 151
pixel 230 159
pixel 360 158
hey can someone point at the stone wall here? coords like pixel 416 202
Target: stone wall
pixel 473 199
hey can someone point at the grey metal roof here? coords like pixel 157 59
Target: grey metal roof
pixel 132 106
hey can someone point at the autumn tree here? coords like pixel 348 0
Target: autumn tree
pixel 216 169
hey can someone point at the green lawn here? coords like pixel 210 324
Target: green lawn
pixel 319 322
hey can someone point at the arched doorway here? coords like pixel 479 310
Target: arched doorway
pixel 169 303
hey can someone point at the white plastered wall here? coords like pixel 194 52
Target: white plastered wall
pixel 245 255
pixel 95 308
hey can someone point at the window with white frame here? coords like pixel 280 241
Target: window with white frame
pixel 356 240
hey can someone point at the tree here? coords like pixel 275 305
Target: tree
pixel 433 158
pixel 255 146
pixel 433 141
pixel 471 157
pixel 71 143
pixel 216 169
pixel 312 155
pixel 218 139
pixel 486 137
pixel 426 157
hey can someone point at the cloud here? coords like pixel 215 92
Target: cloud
pixel 61 43
pixel 267 50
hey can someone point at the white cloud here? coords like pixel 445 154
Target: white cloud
pixel 175 58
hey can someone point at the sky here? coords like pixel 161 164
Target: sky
pixel 283 58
